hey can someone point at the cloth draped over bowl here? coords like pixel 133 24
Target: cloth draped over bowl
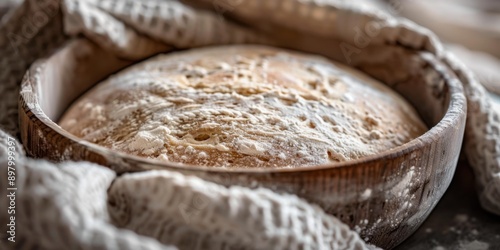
pixel 86 206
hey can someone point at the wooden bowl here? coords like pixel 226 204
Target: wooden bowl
pixel 385 197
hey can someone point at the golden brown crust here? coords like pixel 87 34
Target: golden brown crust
pixel 243 106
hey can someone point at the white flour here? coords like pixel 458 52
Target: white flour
pixel 244 106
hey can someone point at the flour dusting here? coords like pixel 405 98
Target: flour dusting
pixel 244 106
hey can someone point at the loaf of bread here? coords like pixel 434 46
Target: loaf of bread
pixel 243 107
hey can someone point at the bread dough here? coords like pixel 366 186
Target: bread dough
pixel 245 107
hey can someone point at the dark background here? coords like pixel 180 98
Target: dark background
pixel 458 221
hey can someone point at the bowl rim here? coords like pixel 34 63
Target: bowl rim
pixel 457 105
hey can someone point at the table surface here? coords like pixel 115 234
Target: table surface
pixel 458 221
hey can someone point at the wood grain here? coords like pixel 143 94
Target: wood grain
pixel 385 197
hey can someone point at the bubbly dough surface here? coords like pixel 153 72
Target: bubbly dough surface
pixel 243 107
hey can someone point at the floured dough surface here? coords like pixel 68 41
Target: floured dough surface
pixel 243 107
